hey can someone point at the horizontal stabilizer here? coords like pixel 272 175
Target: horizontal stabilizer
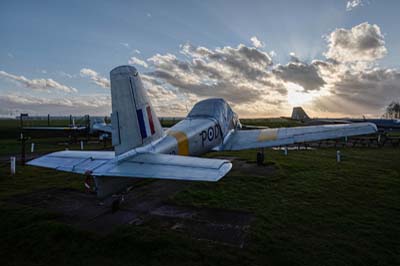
pixel 80 128
pixel 144 165
pixel 102 127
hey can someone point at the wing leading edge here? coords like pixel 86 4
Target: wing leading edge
pixel 250 139
pixel 145 165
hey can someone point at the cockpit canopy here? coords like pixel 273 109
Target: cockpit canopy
pixel 218 109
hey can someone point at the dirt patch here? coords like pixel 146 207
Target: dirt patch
pixel 244 167
pixel 217 225
pixel 146 204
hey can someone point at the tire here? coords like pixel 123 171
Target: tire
pixel 115 205
pixel 260 158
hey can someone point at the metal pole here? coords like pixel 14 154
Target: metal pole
pixel 338 156
pixel 286 150
pixel 12 161
pixel 22 149
pixel 82 145
pixel 32 147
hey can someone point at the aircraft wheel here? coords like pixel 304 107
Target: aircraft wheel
pixel 115 205
pixel 260 158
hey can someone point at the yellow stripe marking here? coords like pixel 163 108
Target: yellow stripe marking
pixel 182 140
pixel 268 134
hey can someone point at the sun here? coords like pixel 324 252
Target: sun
pixel 297 96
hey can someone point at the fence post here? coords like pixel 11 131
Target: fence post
pixel 338 156
pixel 82 145
pixel 12 161
pixel 23 149
pixel 32 147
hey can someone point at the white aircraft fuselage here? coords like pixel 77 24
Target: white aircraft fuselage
pixel 200 132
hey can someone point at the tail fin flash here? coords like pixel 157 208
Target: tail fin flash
pixel 133 118
pixel 299 114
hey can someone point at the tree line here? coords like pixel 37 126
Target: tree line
pixel 393 110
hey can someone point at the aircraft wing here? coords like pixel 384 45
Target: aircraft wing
pixel 144 165
pixel 244 126
pixel 250 139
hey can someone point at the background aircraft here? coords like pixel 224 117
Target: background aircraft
pixel 143 149
pixel 383 125
pixel 72 127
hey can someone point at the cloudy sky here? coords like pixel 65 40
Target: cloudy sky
pixel 335 58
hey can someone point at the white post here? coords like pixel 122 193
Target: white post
pixel 12 160
pixel 338 156
pixel 82 145
pixel 32 147
pixel 286 150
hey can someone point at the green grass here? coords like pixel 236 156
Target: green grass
pixel 314 211
pixel 33 238
pixel 12 147
pixel 309 211
pixel 271 122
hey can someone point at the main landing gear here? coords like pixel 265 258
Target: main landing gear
pixel 260 157
pixel 115 200
pixel 116 204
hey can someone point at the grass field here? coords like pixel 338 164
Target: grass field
pixel 309 211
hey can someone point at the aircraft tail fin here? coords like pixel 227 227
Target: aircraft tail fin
pixel 134 120
pixel 299 114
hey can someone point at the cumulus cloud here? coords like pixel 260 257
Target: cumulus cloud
pixel 346 82
pixel 84 104
pixel 356 92
pixel 247 78
pixel 351 4
pixel 95 77
pixel 238 74
pixel 38 84
pixel 305 75
pixel 168 102
pixel 136 61
pixel 256 42
pixel 241 75
pixel 364 42
pixel 357 85
pixel 65 74
pixel 125 44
